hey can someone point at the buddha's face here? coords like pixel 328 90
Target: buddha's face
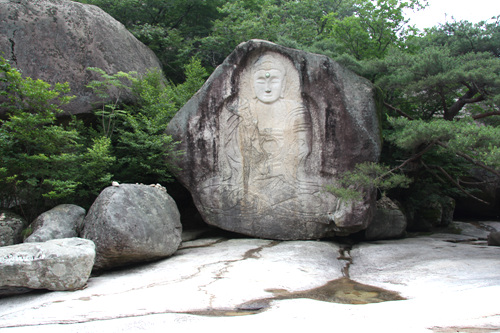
pixel 268 85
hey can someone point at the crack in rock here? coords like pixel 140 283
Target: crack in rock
pixel 255 253
pixel 13 50
pixel 249 254
pixel 345 259
pixel 215 242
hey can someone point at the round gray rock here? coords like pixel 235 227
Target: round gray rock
pixel 11 227
pixel 388 222
pixel 57 40
pixel 131 224
pixel 63 221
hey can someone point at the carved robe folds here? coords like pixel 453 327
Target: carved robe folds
pixel 268 130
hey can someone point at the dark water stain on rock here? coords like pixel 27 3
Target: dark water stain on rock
pixel 343 290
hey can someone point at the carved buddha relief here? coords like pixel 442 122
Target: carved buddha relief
pixel 268 131
pixel 265 136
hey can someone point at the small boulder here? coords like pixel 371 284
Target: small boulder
pixel 131 224
pixel 388 222
pixel 494 238
pixel 63 221
pixel 11 228
pixel 59 264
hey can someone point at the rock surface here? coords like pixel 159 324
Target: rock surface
pixel 210 284
pixel 476 230
pixel 132 223
pixel 63 221
pixel 267 132
pixel 494 238
pixel 389 221
pixel 60 264
pixel 57 40
pixel 11 227
pixel 425 267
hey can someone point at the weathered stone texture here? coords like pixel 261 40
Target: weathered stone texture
pixel 63 221
pixel 268 130
pixel 389 221
pixel 494 238
pixel 56 40
pixel 60 264
pixel 131 224
pixel 11 227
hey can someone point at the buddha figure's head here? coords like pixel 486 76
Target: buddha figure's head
pixel 268 75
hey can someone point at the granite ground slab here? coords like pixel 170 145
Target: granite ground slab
pixel 448 286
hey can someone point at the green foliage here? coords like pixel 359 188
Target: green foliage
pixel 437 82
pixel 449 73
pixel 465 136
pixel 41 159
pixel 110 88
pixel 196 75
pixel 144 153
pixel 375 26
pixel 95 165
pixel 44 162
pixel 298 24
pixel 463 37
pixel 366 176
pixel 170 28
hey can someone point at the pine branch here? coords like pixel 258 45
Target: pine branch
pixel 470 159
pixel 450 178
pixel 398 111
pixel 487 114
pixel 411 159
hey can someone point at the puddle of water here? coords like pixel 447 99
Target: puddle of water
pixel 344 291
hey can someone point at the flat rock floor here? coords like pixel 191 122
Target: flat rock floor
pixel 442 282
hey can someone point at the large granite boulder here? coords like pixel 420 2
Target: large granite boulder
pixel 63 221
pixel 267 132
pixel 389 221
pixel 131 224
pixel 11 228
pixel 60 264
pixel 56 40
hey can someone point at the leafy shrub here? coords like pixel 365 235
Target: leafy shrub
pixel 43 162
pixel 143 151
